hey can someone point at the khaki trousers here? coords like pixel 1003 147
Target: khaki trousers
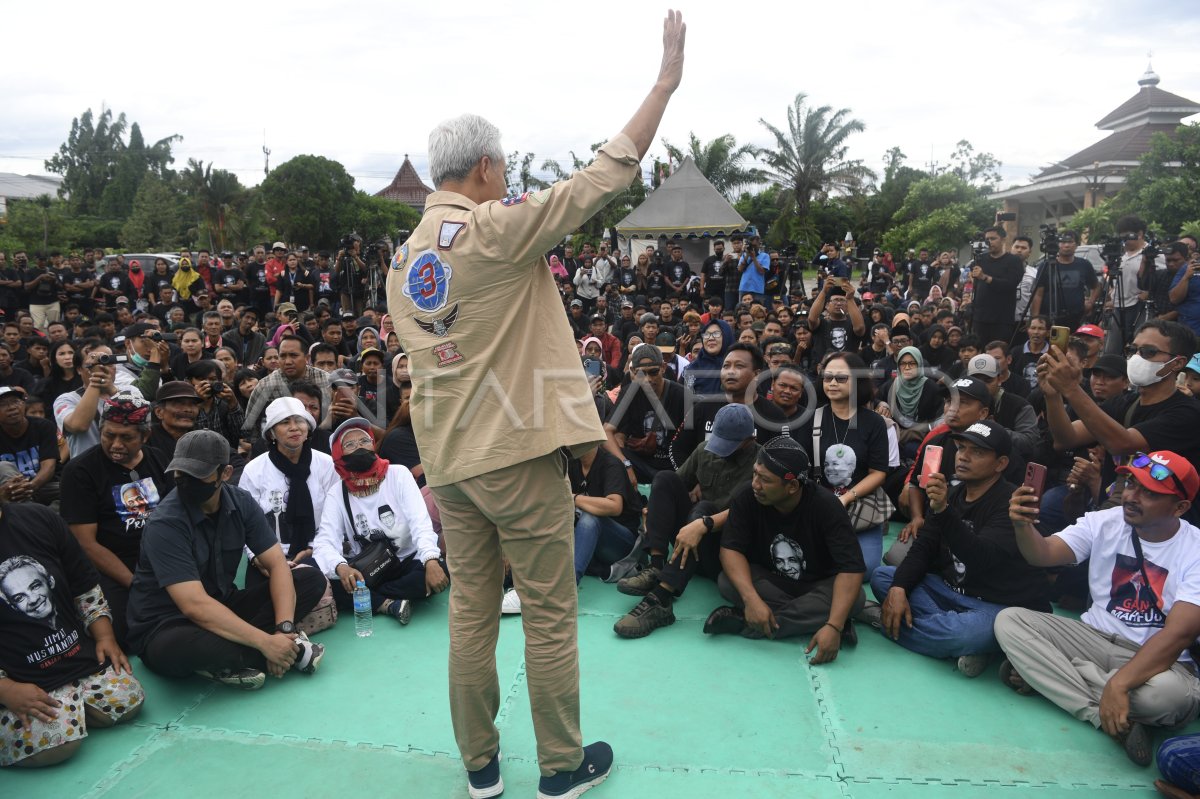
pixel 525 513
pixel 1069 663
pixel 43 315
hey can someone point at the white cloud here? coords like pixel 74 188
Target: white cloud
pixel 362 83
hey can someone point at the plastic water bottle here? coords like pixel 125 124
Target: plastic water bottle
pixel 362 610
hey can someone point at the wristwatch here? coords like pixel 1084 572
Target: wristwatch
pixel 627 463
pixel 708 523
pixel 285 627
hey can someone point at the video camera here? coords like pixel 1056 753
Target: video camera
pixel 347 242
pixel 1049 244
pixel 979 246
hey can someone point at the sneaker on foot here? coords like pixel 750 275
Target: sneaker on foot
pixel 646 617
pixel 310 655
pixel 973 665
pixel 872 614
pixel 486 782
pixel 511 604
pixel 246 679
pixel 597 762
pixel 725 620
pixel 641 583
pixel 400 610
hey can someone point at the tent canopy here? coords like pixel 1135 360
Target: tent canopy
pixel 685 206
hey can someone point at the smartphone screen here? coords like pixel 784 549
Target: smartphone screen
pixel 930 464
pixel 1035 476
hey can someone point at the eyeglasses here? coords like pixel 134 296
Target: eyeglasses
pixel 839 379
pixel 1159 471
pixel 1147 351
pixel 711 334
pixel 351 444
pixel 908 364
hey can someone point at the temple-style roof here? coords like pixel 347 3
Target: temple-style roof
pixel 406 187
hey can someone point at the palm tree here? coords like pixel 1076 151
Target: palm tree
pixel 721 161
pixel 809 161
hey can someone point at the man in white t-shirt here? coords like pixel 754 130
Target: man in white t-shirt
pixel 1125 664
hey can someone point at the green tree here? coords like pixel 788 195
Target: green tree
pixel 762 210
pixel 809 159
pixel 374 217
pixel 616 210
pixel 155 223
pixel 1165 187
pixel 939 213
pixel 308 198
pixel 722 161
pixel 518 173
pixel 87 158
pixel 1096 222
pixel 881 206
pixel 977 169
pixel 214 197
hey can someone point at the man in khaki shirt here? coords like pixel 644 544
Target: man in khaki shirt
pixel 496 399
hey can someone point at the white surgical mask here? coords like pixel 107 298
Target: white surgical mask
pixel 1143 372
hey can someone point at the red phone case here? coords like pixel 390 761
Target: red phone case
pixel 931 463
pixel 1035 477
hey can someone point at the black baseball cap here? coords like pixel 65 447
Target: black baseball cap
pixel 971 387
pixel 1111 364
pixel 989 435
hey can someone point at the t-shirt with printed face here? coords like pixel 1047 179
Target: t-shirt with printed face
pixel 635 416
pixel 39 442
pixel 42 570
pixel 117 500
pixel 1122 601
pixel 811 543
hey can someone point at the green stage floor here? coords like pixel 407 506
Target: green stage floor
pixel 689 716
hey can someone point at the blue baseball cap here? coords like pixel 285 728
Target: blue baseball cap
pixel 731 427
pixel 1194 364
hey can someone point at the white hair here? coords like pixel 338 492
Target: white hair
pixel 456 145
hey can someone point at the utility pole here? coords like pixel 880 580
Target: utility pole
pixel 266 155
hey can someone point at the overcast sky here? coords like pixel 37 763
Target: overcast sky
pixel 364 82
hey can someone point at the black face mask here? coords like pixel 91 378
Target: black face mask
pixel 193 491
pixel 360 460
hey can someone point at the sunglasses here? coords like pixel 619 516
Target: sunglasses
pixel 839 379
pixel 650 371
pixel 1158 471
pixel 1147 351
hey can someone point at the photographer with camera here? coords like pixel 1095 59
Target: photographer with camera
pixel 753 266
pixel 350 268
pixel 995 275
pixel 146 350
pixel 218 409
pixel 1067 287
pixel 76 411
pixel 1138 263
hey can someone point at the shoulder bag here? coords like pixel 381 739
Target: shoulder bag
pixel 865 512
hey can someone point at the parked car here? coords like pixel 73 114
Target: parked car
pixel 146 259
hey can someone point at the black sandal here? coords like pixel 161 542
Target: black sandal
pixel 1007 672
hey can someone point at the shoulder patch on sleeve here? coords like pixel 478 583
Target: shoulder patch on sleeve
pixel 448 233
pixel 400 258
pixel 540 197
pixel 511 201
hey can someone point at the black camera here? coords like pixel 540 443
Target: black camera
pixel 216 387
pixel 108 359
pixel 1049 245
pixel 347 242
pixel 1112 248
pixel 979 246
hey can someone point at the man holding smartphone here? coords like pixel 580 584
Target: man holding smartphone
pixel 964 567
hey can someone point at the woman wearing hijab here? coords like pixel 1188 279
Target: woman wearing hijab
pixel 557 269
pixel 186 281
pixel 935 351
pixel 376 501
pixel 703 375
pixel 913 400
pixel 290 482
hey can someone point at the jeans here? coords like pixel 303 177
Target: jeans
pixel 600 539
pixel 1052 516
pixel 1179 762
pixel 871 543
pixel 946 623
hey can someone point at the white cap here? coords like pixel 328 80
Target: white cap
pixel 286 407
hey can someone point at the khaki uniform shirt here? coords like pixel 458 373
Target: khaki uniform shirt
pixel 497 377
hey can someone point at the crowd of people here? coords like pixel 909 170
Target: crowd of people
pixel 757 435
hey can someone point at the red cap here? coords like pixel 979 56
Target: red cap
pixel 1095 331
pixel 868 295
pixel 1185 487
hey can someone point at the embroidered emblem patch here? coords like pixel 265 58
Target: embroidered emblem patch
pixel 428 282
pixel 447 354
pixel 400 258
pixel 511 201
pixel 448 233
pixel 440 327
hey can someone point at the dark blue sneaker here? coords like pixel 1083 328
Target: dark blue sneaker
pixel 486 782
pixel 597 761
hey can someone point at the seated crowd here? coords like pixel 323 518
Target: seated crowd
pixel 757 436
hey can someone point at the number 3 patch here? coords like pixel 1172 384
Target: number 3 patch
pixel 428 282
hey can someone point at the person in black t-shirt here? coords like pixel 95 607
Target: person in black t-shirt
pixel 712 272
pixel 996 277
pixel 607 512
pixel 62 665
pixel 1067 287
pixel 1158 417
pixel 113 284
pixel 229 282
pixel 649 411
pixel 31 445
pixel 677 272
pixel 324 279
pixel 841 329
pixel 964 567
pixel 381 399
pixel 114 488
pixel 791 562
